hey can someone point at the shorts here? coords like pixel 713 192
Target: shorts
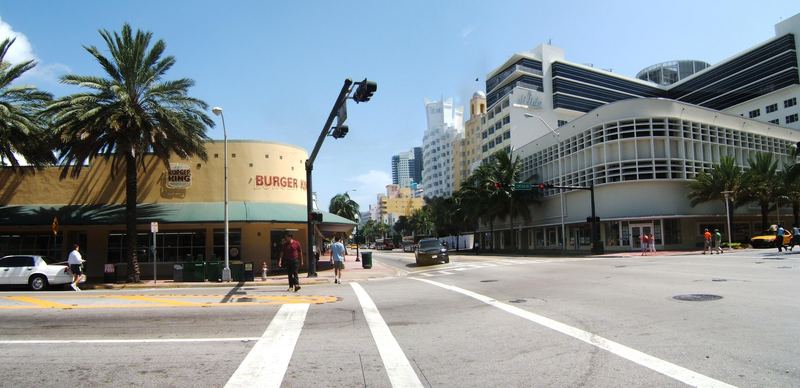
pixel 338 264
pixel 75 269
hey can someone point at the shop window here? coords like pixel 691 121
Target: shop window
pixel 234 244
pixel 31 244
pixel 612 233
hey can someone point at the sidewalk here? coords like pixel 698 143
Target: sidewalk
pixel 353 272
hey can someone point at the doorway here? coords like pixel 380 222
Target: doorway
pixel 636 233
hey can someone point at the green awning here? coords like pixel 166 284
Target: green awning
pixel 167 213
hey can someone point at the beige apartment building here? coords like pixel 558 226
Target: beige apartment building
pixel 467 150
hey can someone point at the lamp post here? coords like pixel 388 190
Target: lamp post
pixel 358 218
pixel 728 215
pixel 226 272
pixel 560 177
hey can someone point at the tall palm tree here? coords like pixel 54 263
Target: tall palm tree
pixel 760 183
pixel 343 206
pixel 507 202
pixel 725 176
pixel 22 128
pixel 127 114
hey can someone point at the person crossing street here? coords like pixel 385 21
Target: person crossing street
pixel 338 252
pixel 293 254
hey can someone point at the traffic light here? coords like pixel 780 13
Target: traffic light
pixel 340 131
pixel 316 217
pixel 543 186
pixel 365 90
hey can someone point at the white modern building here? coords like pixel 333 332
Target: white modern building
pixel 445 123
pixel 406 167
pixel 638 143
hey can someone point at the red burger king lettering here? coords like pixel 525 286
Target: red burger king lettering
pixel 279 182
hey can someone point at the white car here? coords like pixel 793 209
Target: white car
pixel 34 271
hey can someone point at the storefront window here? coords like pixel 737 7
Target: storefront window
pixel 234 244
pixel 32 244
pixel 171 246
pixel 672 231
pixel 116 247
pixel 612 233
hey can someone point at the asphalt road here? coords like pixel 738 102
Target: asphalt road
pixel 476 322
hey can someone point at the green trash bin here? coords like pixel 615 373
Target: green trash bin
pixel 237 271
pixel 194 272
pixel 366 260
pixel 214 271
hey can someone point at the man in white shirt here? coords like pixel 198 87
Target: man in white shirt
pixel 75 262
pixel 337 259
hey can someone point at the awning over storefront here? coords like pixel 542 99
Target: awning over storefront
pixel 166 213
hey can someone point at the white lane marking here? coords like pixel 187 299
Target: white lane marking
pixel 394 360
pixel 267 362
pixel 127 341
pixel 666 368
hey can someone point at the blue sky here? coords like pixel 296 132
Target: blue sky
pixel 276 67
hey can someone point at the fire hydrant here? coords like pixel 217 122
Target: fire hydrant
pixel 264 270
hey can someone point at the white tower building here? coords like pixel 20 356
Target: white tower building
pixel 445 123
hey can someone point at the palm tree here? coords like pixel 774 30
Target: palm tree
pixel 760 183
pixel 508 203
pixel 131 113
pixel 22 128
pixel 343 206
pixel 723 177
pixel 421 222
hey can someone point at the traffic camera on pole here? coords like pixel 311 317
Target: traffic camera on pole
pixel 340 131
pixel 365 91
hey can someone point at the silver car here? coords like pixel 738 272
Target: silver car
pixel 34 271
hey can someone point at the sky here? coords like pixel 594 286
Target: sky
pixel 276 67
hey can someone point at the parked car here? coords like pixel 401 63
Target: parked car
pixel 431 251
pixel 409 247
pixel 34 271
pixel 766 239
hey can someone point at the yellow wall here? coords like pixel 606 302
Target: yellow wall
pixel 247 160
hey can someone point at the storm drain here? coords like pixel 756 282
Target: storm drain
pixel 719 280
pixel 488 281
pixel 518 301
pixel 696 297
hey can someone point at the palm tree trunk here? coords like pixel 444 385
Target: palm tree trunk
pixel 764 216
pixel 130 218
pixel 796 211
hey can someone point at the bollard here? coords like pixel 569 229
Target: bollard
pixel 264 270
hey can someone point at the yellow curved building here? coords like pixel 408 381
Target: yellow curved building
pixel 266 199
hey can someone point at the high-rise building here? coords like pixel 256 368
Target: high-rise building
pixel 445 123
pixel 404 167
pixel 637 144
pixel 466 150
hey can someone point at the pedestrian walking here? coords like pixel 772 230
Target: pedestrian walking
pixel 779 237
pixel 652 243
pixel 75 262
pixel 337 259
pixel 293 254
pixel 644 241
pixel 795 236
pixel 706 241
pixel 717 242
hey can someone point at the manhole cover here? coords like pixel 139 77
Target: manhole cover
pixel 696 297
pixel 783 267
pixel 620 266
pixel 719 280
pixel 488 281
pixel 518 301
pixel 244 299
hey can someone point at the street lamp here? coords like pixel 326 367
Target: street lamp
pixel 728 215
pixel 226 272
pixel 358 218
pixel 560 177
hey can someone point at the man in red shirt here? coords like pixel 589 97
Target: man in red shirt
pixel 293 253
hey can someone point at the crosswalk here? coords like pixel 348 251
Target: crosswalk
pixel 455 267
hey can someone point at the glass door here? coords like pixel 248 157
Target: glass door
pixel 636 234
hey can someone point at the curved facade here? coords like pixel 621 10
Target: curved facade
pixel 667 73
pixel 266 198
pixel 640 155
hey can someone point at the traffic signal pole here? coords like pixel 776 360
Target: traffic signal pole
pixel 312 260
pixel 597 246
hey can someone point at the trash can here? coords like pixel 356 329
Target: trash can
pixel 194 272
pixel 366 260
pixel 249 274
pixel 213 271
pixel 177 272
pixel 109 275
pixel 237 271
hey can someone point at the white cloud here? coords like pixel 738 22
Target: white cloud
pixel 368 186
pixel 467 31
pixel 22 51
